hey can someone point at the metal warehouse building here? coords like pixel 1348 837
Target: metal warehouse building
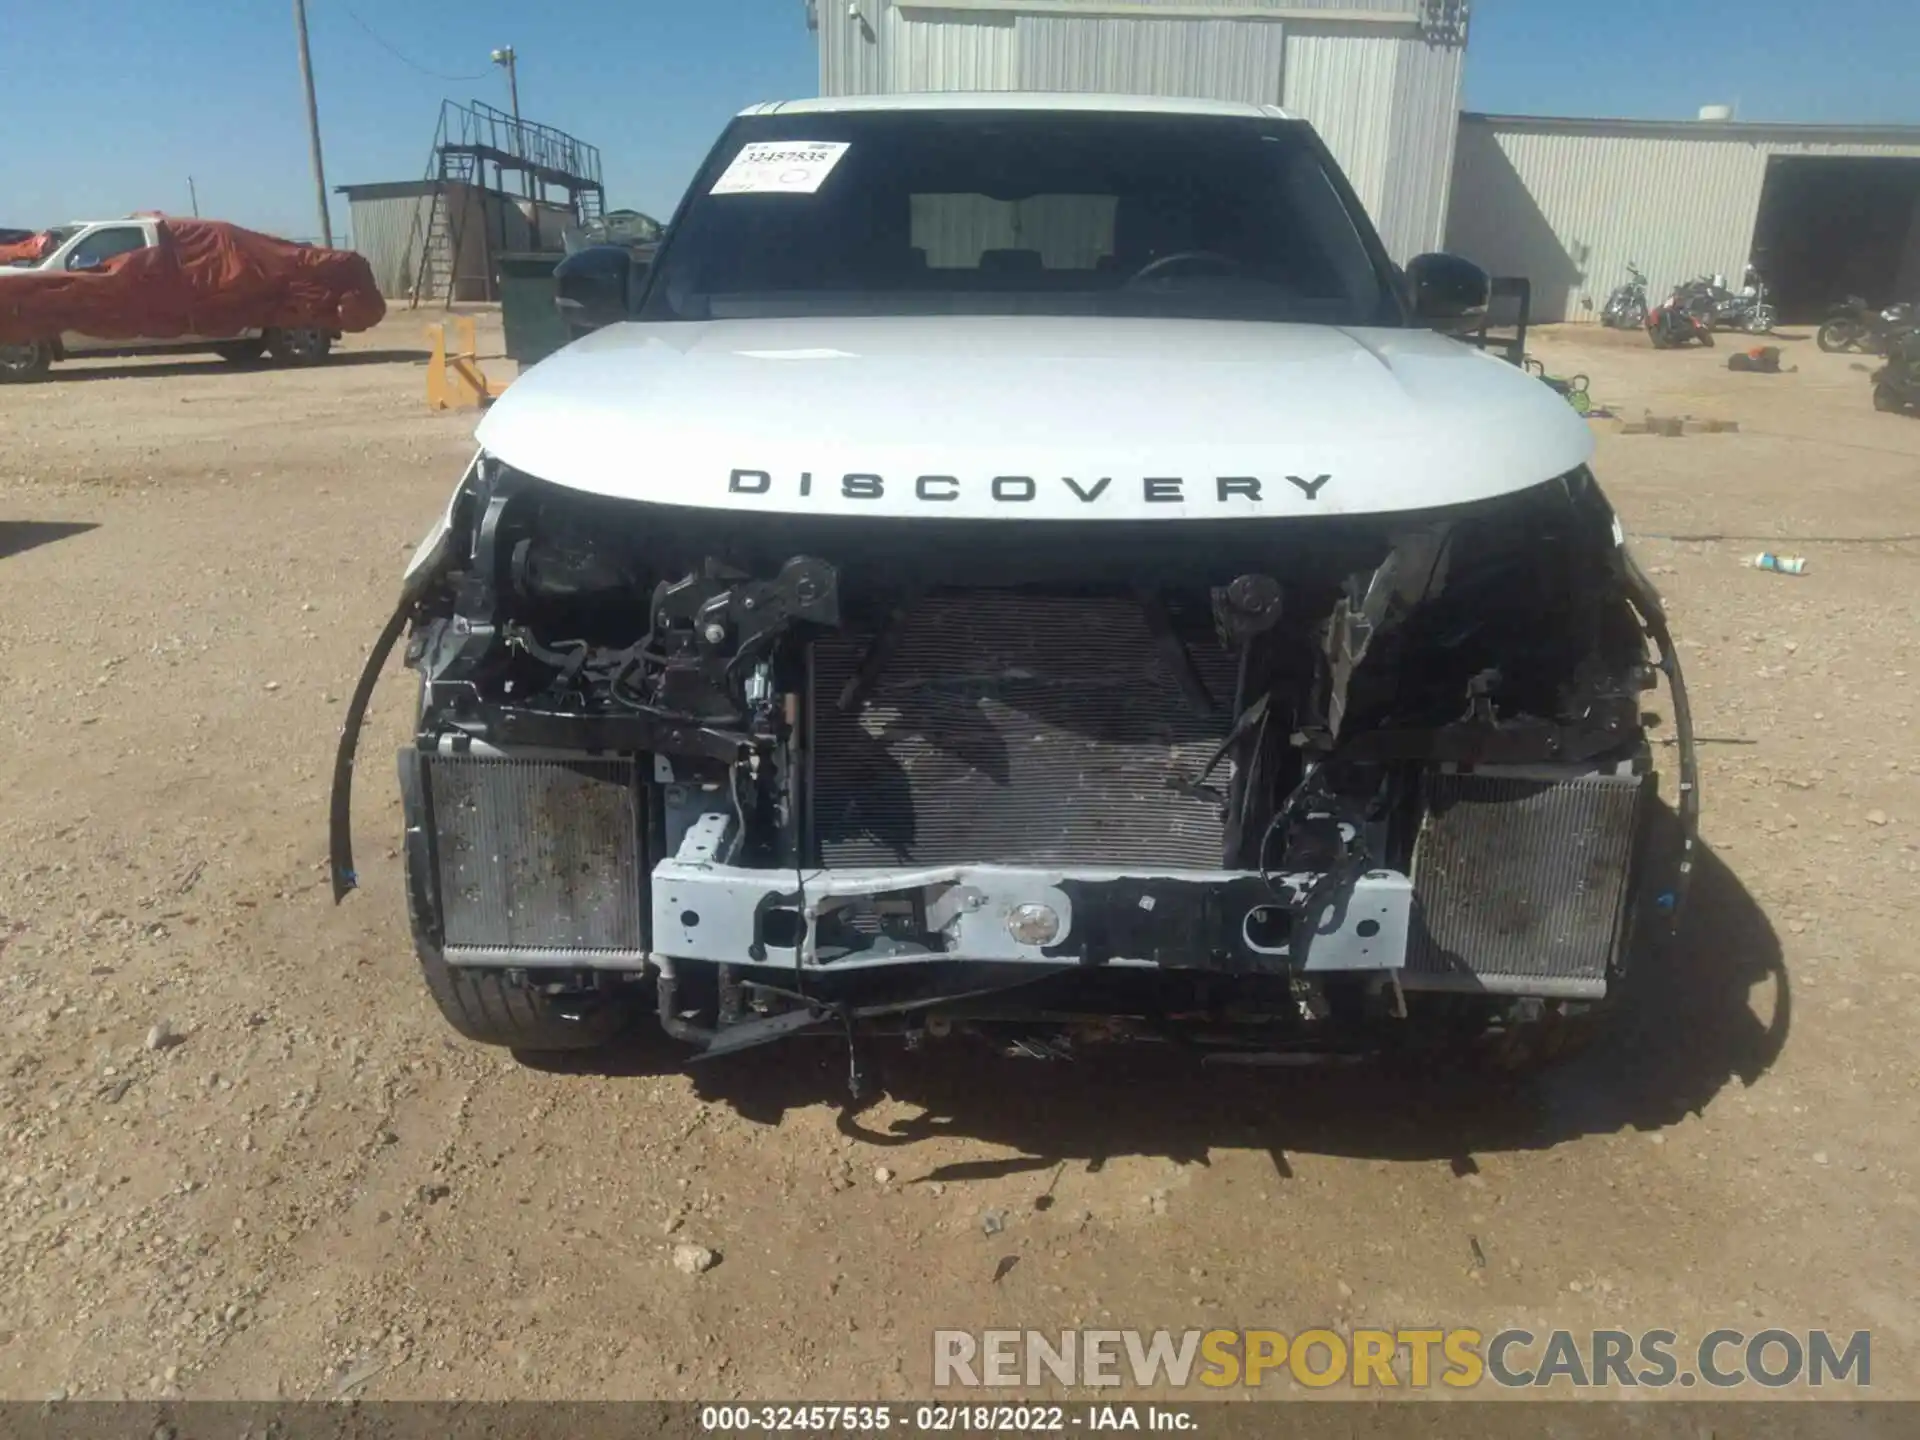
pixel 1824 211
pixel 1379 79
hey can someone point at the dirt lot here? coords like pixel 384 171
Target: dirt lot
pixel 319 1191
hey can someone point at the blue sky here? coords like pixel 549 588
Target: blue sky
pixel 116 102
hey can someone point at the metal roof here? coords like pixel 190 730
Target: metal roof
pixel 1020 100
pixel 1754 130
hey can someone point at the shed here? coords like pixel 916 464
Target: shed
pixel 1823 211
pixel 1379 79
pixel 390 222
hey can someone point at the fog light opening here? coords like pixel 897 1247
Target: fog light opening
pixel 1269 929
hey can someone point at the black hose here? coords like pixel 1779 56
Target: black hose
pixel 340 808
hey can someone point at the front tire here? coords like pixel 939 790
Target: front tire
pixel 485 1007
pixel 1886 400
pixel 242 352
pixel 21 363
pixel 298 347
pixel 1760 321
pixel 1837 335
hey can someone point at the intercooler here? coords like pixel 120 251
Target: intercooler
pixel 537 861
pixel 1019 728
pixel 1520 883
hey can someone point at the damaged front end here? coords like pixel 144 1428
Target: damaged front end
pixel 1288 786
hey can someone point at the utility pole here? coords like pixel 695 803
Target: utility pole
pixel 505 57
pixel 193 197
pixel 313 124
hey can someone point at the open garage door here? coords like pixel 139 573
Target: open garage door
pixel 1833 226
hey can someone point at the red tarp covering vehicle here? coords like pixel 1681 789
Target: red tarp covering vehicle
pixel 203 277
pixel 31 248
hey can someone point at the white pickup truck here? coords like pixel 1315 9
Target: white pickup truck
pixel 88 245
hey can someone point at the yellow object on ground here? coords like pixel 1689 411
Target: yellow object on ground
pixel 454 377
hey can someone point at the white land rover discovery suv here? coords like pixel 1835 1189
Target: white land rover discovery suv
pixel 1029 567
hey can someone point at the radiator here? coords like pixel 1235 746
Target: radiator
pixel 1021 729
pixel 538 861
pixel 1521 885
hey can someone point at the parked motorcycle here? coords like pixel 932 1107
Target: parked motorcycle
pixel 1853 324
pixel 1896 385
pixel 1626 307
pixel 1747 308
pixel 1680 321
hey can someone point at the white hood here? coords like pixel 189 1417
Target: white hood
pixel 1090 419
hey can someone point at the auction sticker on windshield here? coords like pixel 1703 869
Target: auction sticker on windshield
pixel 780 167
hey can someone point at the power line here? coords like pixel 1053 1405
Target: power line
pixel 403 59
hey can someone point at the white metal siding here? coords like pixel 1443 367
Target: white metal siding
pixel 1217 59
pixel 1387 108
pixel 1426 103
pixel 389 229
pixel 1342 83
pixel 1389 7
pixel 1569 209
pixel 1385 98
pixel 383 232
pixel 950 50
pixel 849 39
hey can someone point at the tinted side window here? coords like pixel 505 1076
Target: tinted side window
pixel 103 245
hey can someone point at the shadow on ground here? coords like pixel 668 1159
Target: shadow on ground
pixel 19 536
pixel 213 365
pixel 1714 1010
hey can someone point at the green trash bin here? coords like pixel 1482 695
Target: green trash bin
pixel 527 312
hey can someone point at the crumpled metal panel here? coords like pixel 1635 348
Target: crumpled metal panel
pixel 538 855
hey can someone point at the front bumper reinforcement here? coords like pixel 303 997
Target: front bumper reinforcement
pixel 1229 921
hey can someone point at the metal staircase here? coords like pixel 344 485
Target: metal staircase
pixel 437 266
pixel 468 139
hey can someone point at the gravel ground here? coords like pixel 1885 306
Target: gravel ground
pixel 241 1156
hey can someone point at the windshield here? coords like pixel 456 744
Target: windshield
pixel 1013 212
pixel 48 242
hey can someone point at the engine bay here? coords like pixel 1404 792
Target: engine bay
pixel 874 750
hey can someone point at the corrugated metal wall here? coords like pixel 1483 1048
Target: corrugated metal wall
pixel 1342 82
pixel 1570 209
pixel 383 232
pixel 1384 97
pixel 388 229
pixel 1419 170
pixel 1385 105
pixel 962 51
pixel 1218 59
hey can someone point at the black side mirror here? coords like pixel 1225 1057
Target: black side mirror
pixel 1448 293
pixel 594 286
